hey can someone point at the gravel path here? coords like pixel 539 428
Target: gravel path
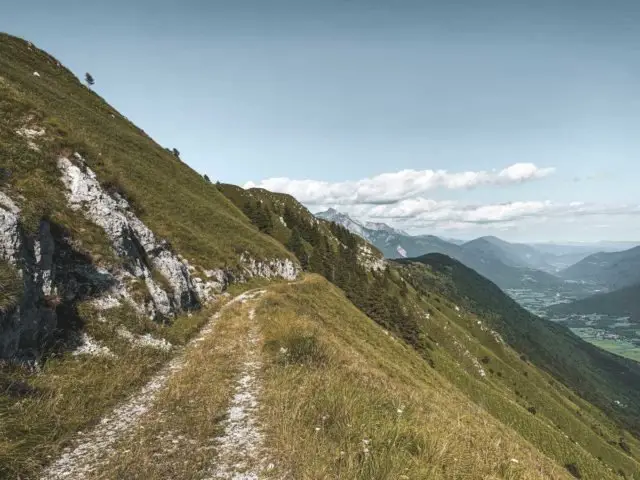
pixel 239 448
pixel 94 448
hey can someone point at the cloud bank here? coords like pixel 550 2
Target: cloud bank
pixel 399 198
pixel 391 188
pixel 421 212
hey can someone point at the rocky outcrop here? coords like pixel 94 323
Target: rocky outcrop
pixel 9 234
pixel 56 276
pixel 285 269
pixel 145 253
pixel 368 258
pixel 131 238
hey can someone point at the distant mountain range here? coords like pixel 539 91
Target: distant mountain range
pixel 610 270
pixel 509 265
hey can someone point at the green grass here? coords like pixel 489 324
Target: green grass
pixel 171 198
pixel 598 376
pixel 367 406
pixel 624 349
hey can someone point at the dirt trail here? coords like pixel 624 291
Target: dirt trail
pixel 240 447
pixel 95 447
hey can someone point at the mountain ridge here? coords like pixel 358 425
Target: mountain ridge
pixel 612 270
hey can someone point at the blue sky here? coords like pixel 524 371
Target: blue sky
pixel 344 95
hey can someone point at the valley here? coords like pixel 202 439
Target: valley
pixel 614 333
pixel 546 279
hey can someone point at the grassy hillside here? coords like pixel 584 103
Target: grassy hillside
pixel 462 344
pixel 598 376
pixel 171 198
pixel 367 408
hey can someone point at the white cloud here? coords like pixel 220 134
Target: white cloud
pixel 418 213
pixel 390 188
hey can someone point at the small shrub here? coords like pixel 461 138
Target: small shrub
pixel 485 359
pixel 300 348
pixel 532 410
pixel 573 469
pixel 624 445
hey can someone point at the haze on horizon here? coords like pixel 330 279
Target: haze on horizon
pixel 499 119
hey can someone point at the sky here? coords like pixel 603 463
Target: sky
pixel 462 118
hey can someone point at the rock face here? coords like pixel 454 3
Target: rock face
pixel 131 239
pixel 55 276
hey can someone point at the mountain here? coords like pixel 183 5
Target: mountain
pixel 153 325
pixel 346 221
pixel 383 227
pixel 519 254
pixel 624 302
pixel 393 243
pixel 508 265
pixel 610 270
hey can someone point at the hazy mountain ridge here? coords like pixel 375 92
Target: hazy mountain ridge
pixel 509 265
pixel 610 270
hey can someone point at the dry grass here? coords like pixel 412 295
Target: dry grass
pixel 10 286
pixel 69 395
pixel 40 414
pixel 361 404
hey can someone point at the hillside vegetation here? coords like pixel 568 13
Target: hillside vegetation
pixel 57 114
pixel 470 343
pixel 598 376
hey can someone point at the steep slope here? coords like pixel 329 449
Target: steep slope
pixel 611 270
pixel 598 376
pixel 621 303
pixel 112 254
pixel 91 207
pixel 410 300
